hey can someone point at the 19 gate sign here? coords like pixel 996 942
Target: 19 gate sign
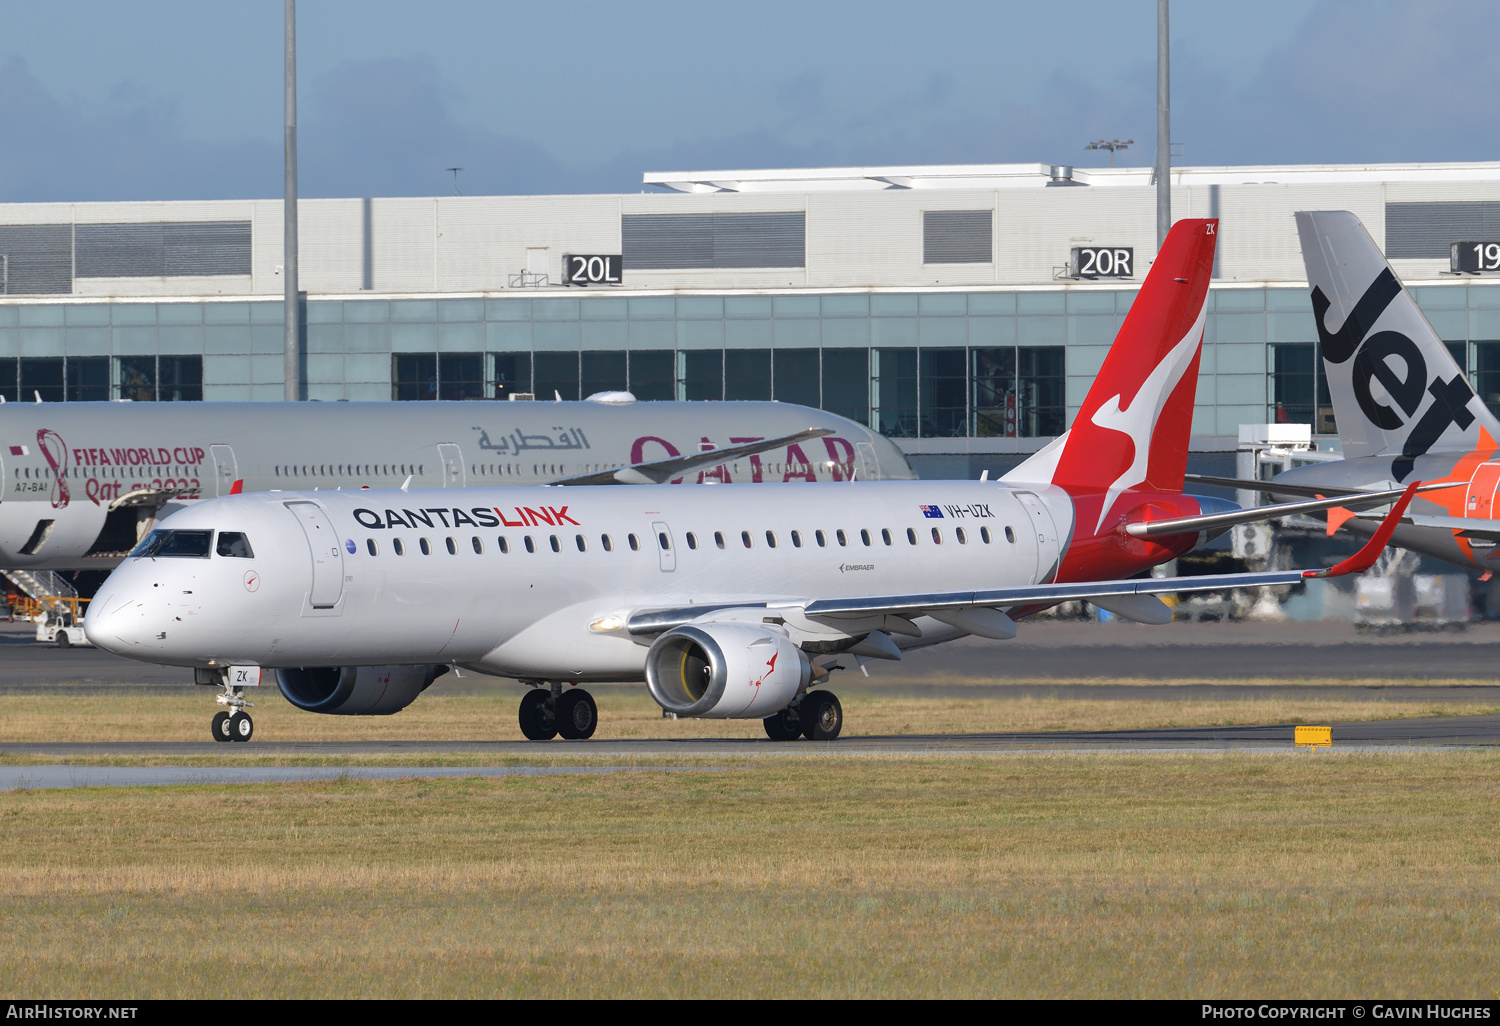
pixel 591 270
pixel 1103 261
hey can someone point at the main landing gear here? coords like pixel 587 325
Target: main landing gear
pixel 547 711
pixel 817 716
pixel 236 724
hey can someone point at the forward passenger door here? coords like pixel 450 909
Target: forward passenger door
pixel 452 458
pixel 326 551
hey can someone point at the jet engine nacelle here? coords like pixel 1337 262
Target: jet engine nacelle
pixel 356 690
pixel 725 671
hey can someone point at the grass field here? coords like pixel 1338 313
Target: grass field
pixel 1189 875
pixel 55 715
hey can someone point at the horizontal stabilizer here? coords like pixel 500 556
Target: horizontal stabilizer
pixel 663 470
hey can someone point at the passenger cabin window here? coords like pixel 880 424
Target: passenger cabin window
pixel 635 543
pixel 1010 536
pixel 821 540
pixel 839 534
pixel 661 539
pixel 504 544
pixel 745 538
pixel 235 545
pixel 963 539
pixel 864 536
pixel 452 549
pixel 984 535
pixel 885 535
pixel 530 545
pixel 771 539
pixel 422 544
pixel 582 545
pixel 176 544
pixel 911 536
pixel 796 539
pixel 478 545
pixel 719 539
pixel 937 536
pixel 552 539
pixel 398 546
pixel 692 540
pixel 372 547
pixel 607 543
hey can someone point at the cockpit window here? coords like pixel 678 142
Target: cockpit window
pixel 234 543
pixel 192 544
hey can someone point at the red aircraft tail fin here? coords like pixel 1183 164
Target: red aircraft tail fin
pixel 1132 430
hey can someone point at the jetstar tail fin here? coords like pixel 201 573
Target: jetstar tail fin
pixel 1395 387
pixel 1132 430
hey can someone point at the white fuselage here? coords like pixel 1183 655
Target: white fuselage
pixel 80 483
pixel 501 590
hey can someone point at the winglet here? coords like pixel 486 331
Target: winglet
pixel 405 485
pixel 1366 556
pixel 237 487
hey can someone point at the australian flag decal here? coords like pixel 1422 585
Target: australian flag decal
pixel 932 513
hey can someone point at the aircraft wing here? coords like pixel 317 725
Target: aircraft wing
pixel 1314 491
pixel 663 470
pixel 980 611
pixel 1046 594
pixel 1213 521
pixel 1252 485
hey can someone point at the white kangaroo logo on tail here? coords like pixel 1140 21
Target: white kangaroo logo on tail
pixel 1139 418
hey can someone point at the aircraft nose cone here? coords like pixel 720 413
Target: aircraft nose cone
pixel 116 623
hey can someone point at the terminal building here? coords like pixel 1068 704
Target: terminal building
pixel 961 310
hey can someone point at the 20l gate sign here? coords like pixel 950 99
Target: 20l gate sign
pixel 591 270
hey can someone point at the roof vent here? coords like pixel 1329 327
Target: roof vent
pixel 1062 174
pixel 613 398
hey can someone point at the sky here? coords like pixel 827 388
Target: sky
pixel 183 100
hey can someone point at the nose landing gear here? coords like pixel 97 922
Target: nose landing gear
pixel 235 724
pixel 547 711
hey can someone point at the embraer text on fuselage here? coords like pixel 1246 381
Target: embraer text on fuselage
pixel 1407 388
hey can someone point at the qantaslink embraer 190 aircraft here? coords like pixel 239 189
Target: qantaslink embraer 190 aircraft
pixel 729 602
pixel 82 483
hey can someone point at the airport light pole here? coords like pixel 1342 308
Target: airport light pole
pixel 1163 129
pixel 455 171
pixel 1111 145
pixel 292 367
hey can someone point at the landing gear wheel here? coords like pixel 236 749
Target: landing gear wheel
pixel 577 715
pixel 538 719
pixel 220 726
pixel 822 716
pixel 241 727
pixel 783 726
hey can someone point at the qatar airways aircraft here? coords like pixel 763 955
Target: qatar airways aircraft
pixel 728 602
pixel 82 483
pixel 1405 409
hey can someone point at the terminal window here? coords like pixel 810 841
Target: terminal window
pixel 452 376
pixel 146 379
pixel 55 379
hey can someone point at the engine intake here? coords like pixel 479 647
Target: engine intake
pixel 356 690
pixel 725 671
